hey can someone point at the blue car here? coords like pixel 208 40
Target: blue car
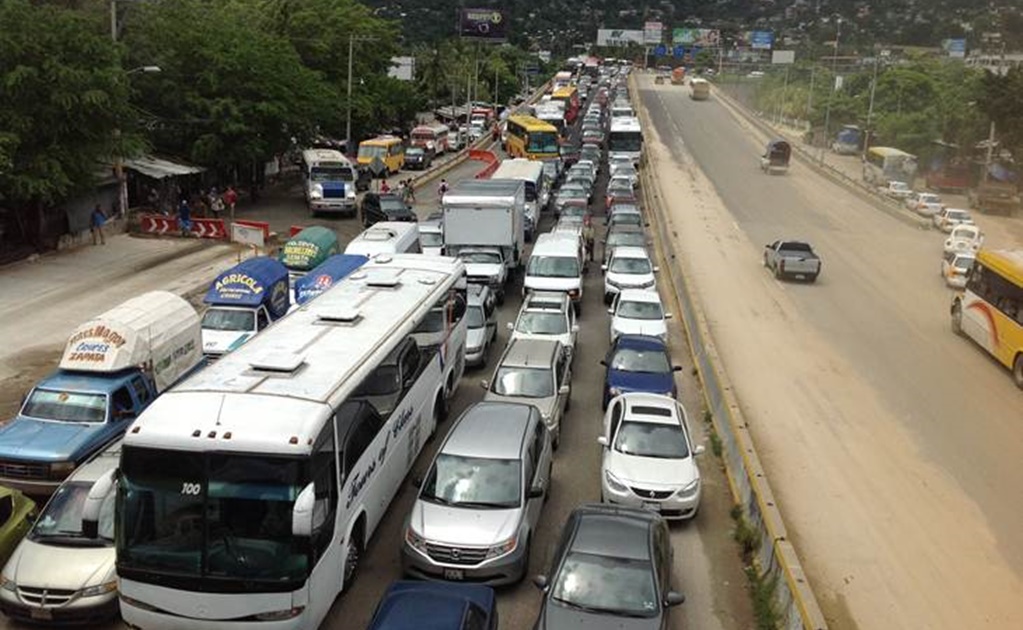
pixel 412 605
pixel 638 363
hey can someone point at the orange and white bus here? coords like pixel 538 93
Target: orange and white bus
pixel 431 138
pixel 990 309
pixel 568 95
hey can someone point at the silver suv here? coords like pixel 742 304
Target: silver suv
pixel 538 372
pixel 480 502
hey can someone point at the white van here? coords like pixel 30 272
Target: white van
pixel 556 264
pixel 531 172
pixel 386 237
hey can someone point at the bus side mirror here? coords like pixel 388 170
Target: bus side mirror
pixel 302 513
pixel 98 493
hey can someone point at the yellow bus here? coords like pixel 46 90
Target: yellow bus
pixel 390 150
pixel 568 95
pixel 531 138
pixel 990 309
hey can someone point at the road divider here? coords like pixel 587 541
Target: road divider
pixel 774 558
pixel 158 224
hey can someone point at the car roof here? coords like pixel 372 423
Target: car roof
pixel 490 429
pixel 613 531
pixel 546 301
pixel 639 295
pixel 407 603
pixel 630 251
pixel 530 353
pixel 639 405
pixel 639 342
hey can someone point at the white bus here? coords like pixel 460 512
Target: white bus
pixel 699 89
pixel 885 164
pixel 329 181
pixel 625 139
pixel 246 495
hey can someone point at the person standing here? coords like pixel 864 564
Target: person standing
pixel 230 199
pixel 442 188
pixel 96 222
pixel 185 216
pixel 216 203
pixel 384 187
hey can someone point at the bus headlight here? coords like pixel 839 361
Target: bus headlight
pixel 316 192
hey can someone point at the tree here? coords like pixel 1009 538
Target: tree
pixel 1002 100
pixel 230 95
pixel 62 96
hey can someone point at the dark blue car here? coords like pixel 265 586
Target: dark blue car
pixel 637 363
pixel 412 605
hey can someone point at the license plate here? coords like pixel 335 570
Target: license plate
pixel 454 574
pixel 43 614
pixel 654 507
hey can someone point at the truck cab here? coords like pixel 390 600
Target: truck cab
pixel 242 301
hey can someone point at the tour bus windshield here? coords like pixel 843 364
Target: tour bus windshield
pixel 331 173
pixel 222 517
pixel 543 142
pixel 625 141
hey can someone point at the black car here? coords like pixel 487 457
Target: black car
pixel 418 158
pixel 385 207
pixel 612 569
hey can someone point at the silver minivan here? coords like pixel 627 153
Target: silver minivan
pixel 58 574
pixel 480 502
pixel 537 372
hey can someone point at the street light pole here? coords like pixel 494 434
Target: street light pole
pixel 348 113
pixel 870 108
pixel 834 87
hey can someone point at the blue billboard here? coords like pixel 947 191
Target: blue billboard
pixel 761 40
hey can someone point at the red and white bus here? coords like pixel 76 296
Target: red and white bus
pixel 570 97
pixel 431 138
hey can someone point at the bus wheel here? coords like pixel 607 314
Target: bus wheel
pixel 354 555
pixel 1017 370
pixel 957 320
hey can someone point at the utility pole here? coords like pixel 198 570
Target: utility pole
pixel 834 72
pixel 352 38
pixel 989 158
pixel 781 103
pixel 870 108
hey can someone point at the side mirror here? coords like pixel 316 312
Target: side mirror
pixel 698 449
pixel 535 492
pixel 564 390
pixel 603 362
pixel 575 328
pixel 610 311
pixel 540 581
pixel 302 513
pixel 657 269
pixel 98 493
pixel 676 368
pixel 485 384
pixel 603 267
pixel 667 316
pixel 602 440
pixel 511 326
pixel 673 598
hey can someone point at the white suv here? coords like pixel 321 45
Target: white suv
pixel 628 268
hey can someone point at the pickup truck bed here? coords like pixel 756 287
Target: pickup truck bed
pixel 792 259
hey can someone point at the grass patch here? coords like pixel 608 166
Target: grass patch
pixel 762 593
pixel 745 535
pixel 694 371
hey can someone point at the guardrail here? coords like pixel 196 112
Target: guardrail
pixel 811 158
pixel 774 557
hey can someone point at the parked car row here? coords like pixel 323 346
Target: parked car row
pixel 964 236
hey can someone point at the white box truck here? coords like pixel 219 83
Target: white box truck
pixel 486 213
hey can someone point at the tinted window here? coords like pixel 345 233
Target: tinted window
pixel 604 584
pixel 639 310
pixel 7 509
pixel 140 389
pixel 542 323
pixel 631 360
pixel 630 265
pixel 358 442
pixel 524 382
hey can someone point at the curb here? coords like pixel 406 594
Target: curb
pixel 739 111
pixel 774 556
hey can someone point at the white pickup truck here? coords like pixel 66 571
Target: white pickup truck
pixel 792 259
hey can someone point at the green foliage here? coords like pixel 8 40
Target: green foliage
pixel 1003 103
pixel 62 96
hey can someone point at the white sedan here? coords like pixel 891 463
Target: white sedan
pixel 628 268
pixel 948 218
pixel 955 268
pixel 649 459
pixel 638 312
pixel 924 203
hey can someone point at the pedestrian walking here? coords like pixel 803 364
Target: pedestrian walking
pixel 230 199
pixel 185 216
pixel 96 222
pixel 410 191
pixel 384 187
pixel 442 188
pixel 216 203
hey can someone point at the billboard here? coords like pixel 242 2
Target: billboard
pixel 619 37
pixel 955 48
pixel 484 24
pixel 783 56
pixel 696 36
pixel 761 40
pixel 653 32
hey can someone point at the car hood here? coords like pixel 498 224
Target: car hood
pixel 557 617
pixel 651 472
pixel 649 327
pixel 551 284
pixel 474 337
pixel 456 526
pixel 483 269
pixel 545 405
pixel 565 338
pixel 223 341
pixel 629 279
pixel 650 382
pixel 40 440
pixel 60 567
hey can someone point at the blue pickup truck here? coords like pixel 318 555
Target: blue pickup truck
pixel 112 368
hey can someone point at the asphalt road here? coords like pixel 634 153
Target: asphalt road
pixel 893 444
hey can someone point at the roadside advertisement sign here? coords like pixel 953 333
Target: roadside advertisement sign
pixel 696 36
pixel 956 48
pixel 484 24
pixel 783 56
pixel 761 40
pixel 653 32
pixel 619 37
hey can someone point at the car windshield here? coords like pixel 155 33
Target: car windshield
pixel 958 216
pixel 964 263
pixel 899 186
pixel 927 198
pixel 625 218
pixel 331 174
pixel 370 152
pixel 632 360
pixel 621 264
pixel 475 318
pixel 473 482
pixel 48 404
pixel 486 258
pixel 619 186
pixel 600 584
pixel 431 239
pixel 218 517
pixel 414 152
pixel 649 439
pixel 553 267
pixel 639 310
pixel 61 520
pixel 533 323
pixel 573 192
pixel 524 382
pixel 229 319
pixel 626 239
pixel 391 205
